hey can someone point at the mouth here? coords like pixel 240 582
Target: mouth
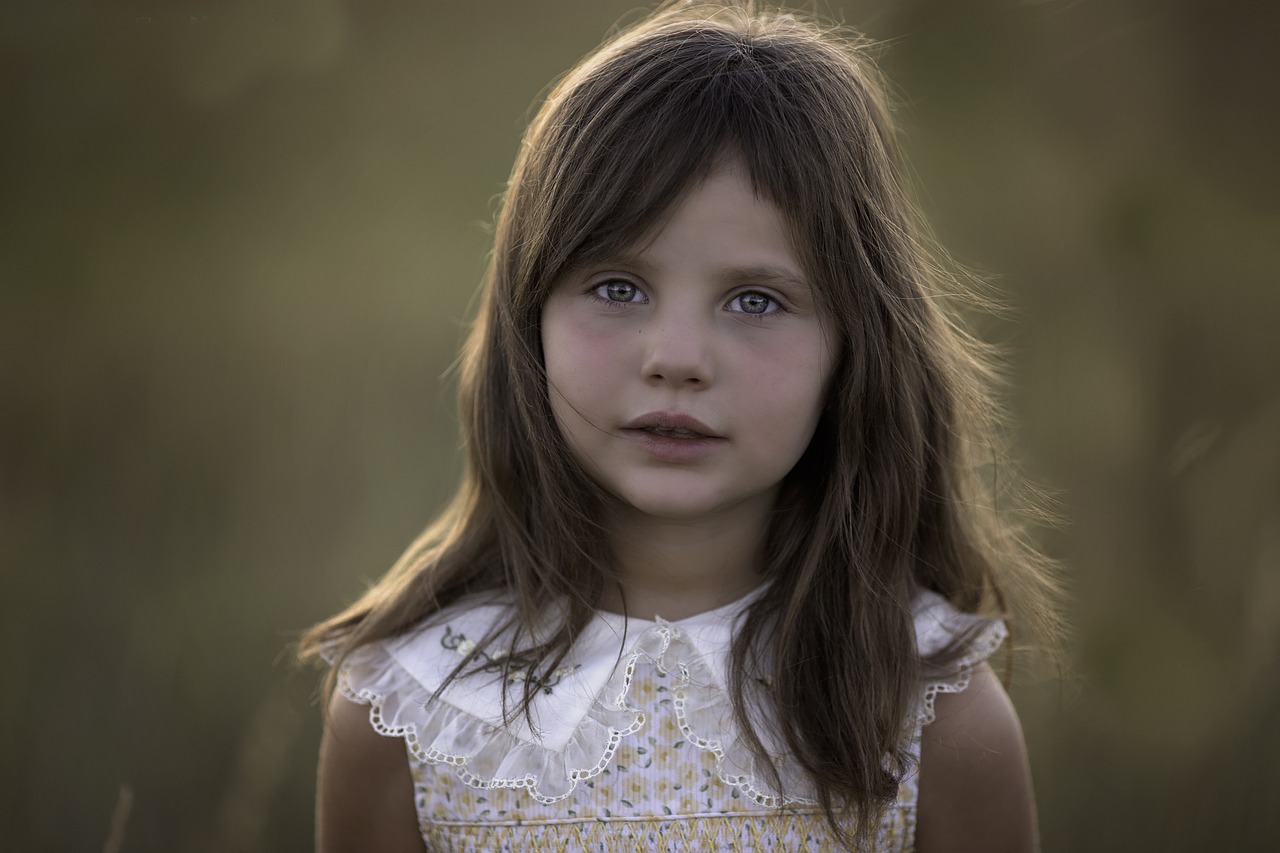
pixel 671 425
pixel 669 432
pixel 674 438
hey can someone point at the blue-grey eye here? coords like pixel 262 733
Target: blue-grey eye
pixel 619 290
pixel 753 303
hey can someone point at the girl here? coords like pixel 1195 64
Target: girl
pixel 721 573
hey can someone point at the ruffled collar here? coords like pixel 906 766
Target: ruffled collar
pixel 607 648
pixel 584 709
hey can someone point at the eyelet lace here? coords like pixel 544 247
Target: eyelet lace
pixel 486 756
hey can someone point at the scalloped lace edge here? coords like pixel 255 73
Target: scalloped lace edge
pixel 984 645
pixel 692 676
pixel 680 692
pixel 438 715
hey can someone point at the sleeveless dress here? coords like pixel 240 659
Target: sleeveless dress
pixel 630 745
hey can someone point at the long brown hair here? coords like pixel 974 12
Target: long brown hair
pixel 896 490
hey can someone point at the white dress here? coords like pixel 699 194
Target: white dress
pixel 633 742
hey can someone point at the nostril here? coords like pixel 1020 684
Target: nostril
pixel 677 356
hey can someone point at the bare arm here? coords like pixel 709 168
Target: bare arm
pixel 975 783
pixel 364 792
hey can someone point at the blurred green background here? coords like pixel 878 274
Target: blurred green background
pixel 238 249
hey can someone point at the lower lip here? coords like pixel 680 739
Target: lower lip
pixel 669 448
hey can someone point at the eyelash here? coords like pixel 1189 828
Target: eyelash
pixel 599 290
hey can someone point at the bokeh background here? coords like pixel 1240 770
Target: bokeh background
pixel 238 249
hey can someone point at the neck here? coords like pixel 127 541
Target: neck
pixel 675 569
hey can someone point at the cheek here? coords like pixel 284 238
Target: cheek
pixel 795 394
pixel 796 372
pixel 579 366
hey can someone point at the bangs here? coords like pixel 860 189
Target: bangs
pixel 630 133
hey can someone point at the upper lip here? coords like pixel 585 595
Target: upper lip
pixel 672 420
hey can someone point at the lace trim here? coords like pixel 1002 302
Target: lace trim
pixel 482 755
pixel 485 756
pixel 983 646
pixel 701 705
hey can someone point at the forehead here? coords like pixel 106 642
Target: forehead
pixel 722 191
pixel 722 220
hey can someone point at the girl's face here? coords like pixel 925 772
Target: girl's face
pixel 688 375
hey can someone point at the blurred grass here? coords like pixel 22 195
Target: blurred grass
pixel 239 245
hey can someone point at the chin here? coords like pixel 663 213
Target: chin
pixel 678 506
pixel 668 512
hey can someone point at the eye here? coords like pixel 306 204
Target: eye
pixel 753 302
pixel 618 290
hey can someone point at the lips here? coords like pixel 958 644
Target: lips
pixel 668 432
pixel 672 425
pixel 673 438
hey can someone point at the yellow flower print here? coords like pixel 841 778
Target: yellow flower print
pixel 466 801
pixel 633 787
pixel 642 690
pixel 669 729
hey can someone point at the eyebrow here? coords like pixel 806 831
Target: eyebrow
pixel 749 274
pixel 765 274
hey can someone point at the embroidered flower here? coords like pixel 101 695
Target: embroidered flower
pixel 497 662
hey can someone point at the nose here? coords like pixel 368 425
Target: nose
pixel 677 352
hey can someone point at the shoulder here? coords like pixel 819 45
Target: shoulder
pixel 364 791
pixel 975 783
